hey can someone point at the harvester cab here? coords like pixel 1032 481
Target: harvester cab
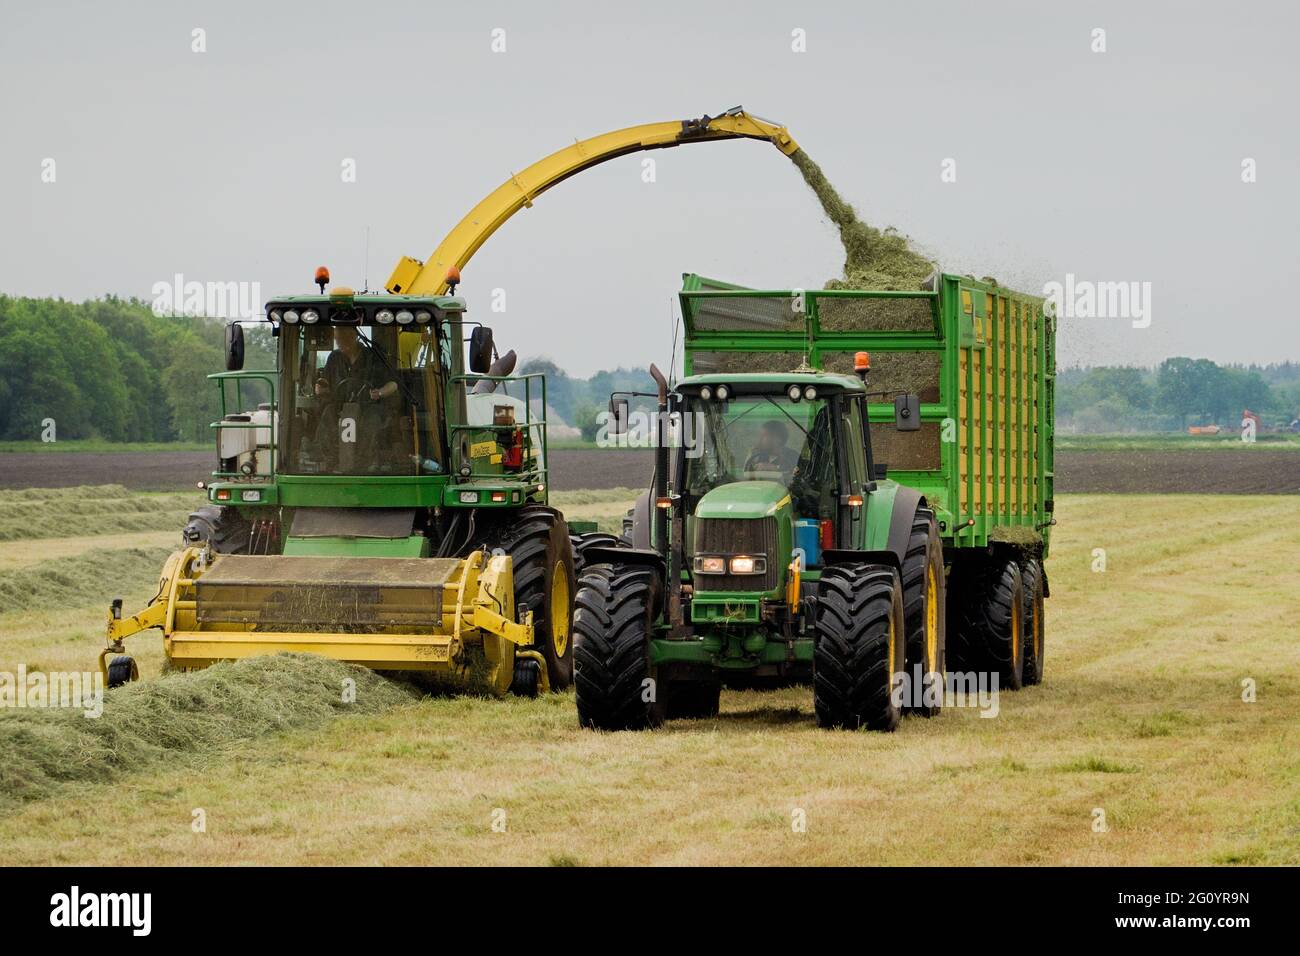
pixel 380 498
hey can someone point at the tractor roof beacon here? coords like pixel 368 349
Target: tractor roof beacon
pixel 854 489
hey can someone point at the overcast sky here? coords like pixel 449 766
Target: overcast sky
pixel 226 165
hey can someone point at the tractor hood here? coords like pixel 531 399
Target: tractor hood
pixel 743 499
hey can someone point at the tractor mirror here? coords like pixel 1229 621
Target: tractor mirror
pixel 907 413
pixel 480 350
pixel 618 415
pixel 234 347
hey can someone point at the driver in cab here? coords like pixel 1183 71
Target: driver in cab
pixel 770 453
pixel 353 371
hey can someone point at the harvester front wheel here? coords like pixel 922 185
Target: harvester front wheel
pixel 1031 581
pixel 616 687
pixel 924 611
pixel 537 540
pixel 859 646
pixel 989 636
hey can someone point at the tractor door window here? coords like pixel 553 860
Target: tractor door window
pixel 854 446
pixel 361 401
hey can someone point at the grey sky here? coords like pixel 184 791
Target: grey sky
pixel 225 166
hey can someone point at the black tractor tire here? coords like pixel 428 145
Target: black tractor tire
pixel 859 644
pixel 537 540
pixel 616 685
pixel 1034 618
pixel 925 615
pixel 122 670
pixel 987 610
pixel 220 526
pixel 592 539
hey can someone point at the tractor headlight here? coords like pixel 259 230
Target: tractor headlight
pixel 748 564
pixel 810 392
pixel 311 317
pixel 291 317
pixel 423 317
pixel 794 393
pixel 384 317
pixel 710 564
pixel 405 317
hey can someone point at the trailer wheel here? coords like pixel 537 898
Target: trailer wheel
pixel 537 540
pixel 122 670
pixel 989 636
pixel 859 644
pixel 616 687
pixel 924 611
pixel 1031 580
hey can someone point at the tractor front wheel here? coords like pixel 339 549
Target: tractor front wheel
pixel 859 646
pixel 616 684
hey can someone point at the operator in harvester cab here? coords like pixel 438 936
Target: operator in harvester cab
pixel 352 372
pixel 770 452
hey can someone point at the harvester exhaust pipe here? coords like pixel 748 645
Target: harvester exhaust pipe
pixel 504 365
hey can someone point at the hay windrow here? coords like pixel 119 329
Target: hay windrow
pixel 95 577
pixel 180 717
pixel 101 509
pixel 873 258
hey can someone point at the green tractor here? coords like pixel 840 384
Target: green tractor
pixel 778 544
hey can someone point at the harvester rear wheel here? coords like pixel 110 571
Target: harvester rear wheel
pixel 1031 580
pixel 537 540
pixel 989 635
pixel 859 645
pixel 122 670
pixel 612 627
pixel 924 611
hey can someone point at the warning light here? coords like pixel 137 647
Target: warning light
pixel 453 279
pixel 322 278
pixel 862 362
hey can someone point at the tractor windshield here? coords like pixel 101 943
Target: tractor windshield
pixel 362 400
pixel 764 438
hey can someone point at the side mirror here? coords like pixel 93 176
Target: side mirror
pixel 480 350
pixel 234 347
pixel 907 413
pixel 618 415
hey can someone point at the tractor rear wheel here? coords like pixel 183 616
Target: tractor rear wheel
pixel 612 626
pixel 537 540
pixel 859 645
pixel 1031 580
pixel 592 539
pixel 924 613
pixel 989 635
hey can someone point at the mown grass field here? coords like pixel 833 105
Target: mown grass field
pixel 1140 717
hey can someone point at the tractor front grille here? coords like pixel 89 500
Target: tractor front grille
pixel 737 536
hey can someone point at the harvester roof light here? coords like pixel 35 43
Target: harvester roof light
pixel 311 316
pixel 706 393
pixel 723 393
pixel 291 317
pixel 794 393
pixel 862 362
pixel 274 315
pixel 405 317
pixel 423 317
pixel 810 392
pixel 384 317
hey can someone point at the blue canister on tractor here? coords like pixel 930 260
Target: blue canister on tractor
pixel 807 535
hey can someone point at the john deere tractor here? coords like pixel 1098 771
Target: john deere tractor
pixel 376 502
pixel 837 471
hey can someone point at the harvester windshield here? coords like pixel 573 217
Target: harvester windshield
pixel 764 438
pixel 363 400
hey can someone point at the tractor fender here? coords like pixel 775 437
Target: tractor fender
pixel 641 522
pixel 639 556
pixel 834 556
pixel 906 501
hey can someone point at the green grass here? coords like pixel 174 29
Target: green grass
pixel 100 445
pixel 1141 715
pixel 1175 441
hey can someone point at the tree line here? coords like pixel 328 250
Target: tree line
pixel 1177 393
